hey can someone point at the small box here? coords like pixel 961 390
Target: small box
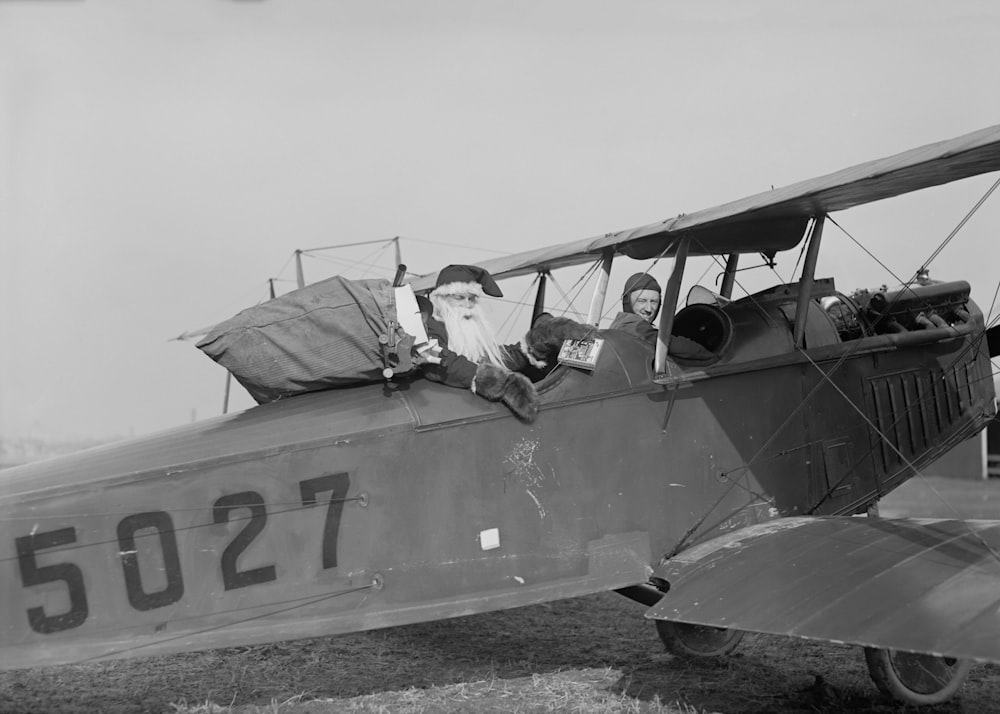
pixel 581 353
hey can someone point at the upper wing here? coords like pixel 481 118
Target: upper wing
pixel 774 220
pixel 919 585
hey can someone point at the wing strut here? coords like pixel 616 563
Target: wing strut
pixel 543 276
pixel 729 278
pixel 670 297
pixel 806 280
pixel 601 290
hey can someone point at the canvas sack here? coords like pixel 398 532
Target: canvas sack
pixel 333 333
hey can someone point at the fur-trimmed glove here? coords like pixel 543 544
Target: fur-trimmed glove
pixel 496 384
pixel 545 338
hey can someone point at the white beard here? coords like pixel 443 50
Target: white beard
pixel 469 332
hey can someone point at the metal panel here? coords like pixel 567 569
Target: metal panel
pixel 918 409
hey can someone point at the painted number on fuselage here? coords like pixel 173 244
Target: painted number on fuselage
pixel 128 550
pixel 136 532
pixel 231 577
pixel 34 574
pixel 337 485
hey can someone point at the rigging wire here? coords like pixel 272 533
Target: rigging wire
pixel 904 284
pixel 346 264
pixel 578 285
pixel 520 304
pixel 364 264
pixel 285 266
pixel 585 279
pixel 570 305
pixel 310 600
pixel 703 273
pixel 294 508
pixel 961 223
pixel 871 255
pixel 456 245
pixel 937 251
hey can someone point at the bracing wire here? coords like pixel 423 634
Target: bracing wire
pixel 520 304
pixel 570 305
pixel 456 245
pixel 364 264
pixel 585 279
pixel 285 266
pixel 961 223
pixel 292 507
pixel 309 600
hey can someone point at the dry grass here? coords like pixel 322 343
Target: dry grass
pixel 584 691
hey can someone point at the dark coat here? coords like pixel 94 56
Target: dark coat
pixel 634 325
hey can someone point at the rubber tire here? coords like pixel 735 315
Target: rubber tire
pixel 916 678
pixel 686 640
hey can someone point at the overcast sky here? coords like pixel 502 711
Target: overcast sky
pixel 159 161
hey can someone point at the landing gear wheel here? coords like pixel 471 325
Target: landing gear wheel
pixel 916 678
pixel 687 640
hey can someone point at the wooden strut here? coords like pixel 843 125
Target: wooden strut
pixel 729 278
pixel 806 281
pixel 539 307
pixel 601 290
pixel 670 296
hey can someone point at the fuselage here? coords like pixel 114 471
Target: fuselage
pixel 388 504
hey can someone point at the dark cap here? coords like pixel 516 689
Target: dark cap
pixel 454 275
pixel 641 281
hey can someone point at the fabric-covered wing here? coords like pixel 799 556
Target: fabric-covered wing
pixel 774 220
pixel 918 585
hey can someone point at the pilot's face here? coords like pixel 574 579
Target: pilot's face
pixel 645 303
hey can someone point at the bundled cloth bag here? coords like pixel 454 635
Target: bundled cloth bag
pixel 333 333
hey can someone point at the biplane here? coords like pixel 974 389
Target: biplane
pixel 743 496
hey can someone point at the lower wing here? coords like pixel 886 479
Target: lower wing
pixel 918 585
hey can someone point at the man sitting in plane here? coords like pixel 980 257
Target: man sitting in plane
pixel 470 355
pixel 640 306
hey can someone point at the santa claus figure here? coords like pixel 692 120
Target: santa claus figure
pixel 470 355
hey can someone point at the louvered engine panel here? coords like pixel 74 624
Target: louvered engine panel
pixel 914 411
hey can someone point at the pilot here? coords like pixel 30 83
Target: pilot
pixel 470 356
pixel 640 306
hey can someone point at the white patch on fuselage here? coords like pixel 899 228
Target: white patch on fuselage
pixel 489 539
